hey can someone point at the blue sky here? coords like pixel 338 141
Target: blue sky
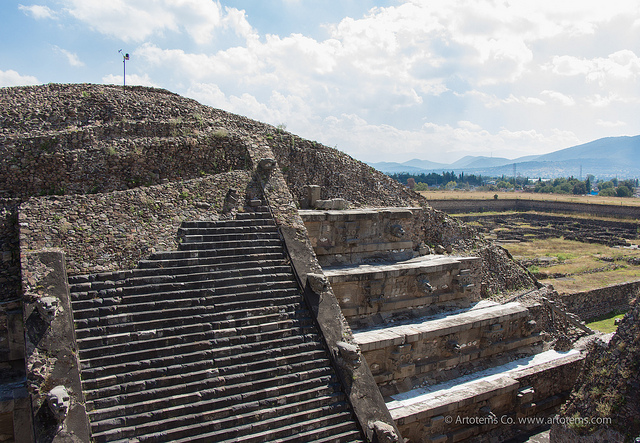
pixel 381 81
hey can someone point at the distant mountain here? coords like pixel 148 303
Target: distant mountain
pixel 481 162
pixel 605 158
pixel 619 150
pixel 423 164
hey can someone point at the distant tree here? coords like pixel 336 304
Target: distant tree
pixel 411 182
pixel 451 185
pixel 421 187
pixel 631 184
pixel 605 185
pixel 623 191
pixel 580 188
pixel 607 192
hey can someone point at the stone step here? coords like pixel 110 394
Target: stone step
pixel 207 340
pixel 151 338
pixel 274 281
pixel 226 245
pixel 231 260
pixel 122 290
pixel 274 429
pixel 220 380
pixel 87 282
pixel 132 354
pixel 154 376
pixel 220 274
pixel 437 349
pixel 160 324
pixel 152 312
pixel 226 307
pixel 137 381
pixel 234 384
pixel 114 305
pixel 263 219
pixel 132 423
pixel 210 237
pixel 249 252
pixel 238 229
pixel 466 407
pixel 346 432
pixel 95 299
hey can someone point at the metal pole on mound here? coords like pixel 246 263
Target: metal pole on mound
pixel 125 57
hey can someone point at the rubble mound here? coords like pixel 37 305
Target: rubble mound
pixel 608 388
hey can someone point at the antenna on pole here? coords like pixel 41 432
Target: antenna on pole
pixel 125 57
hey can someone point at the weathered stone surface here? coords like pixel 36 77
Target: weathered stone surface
pixel 487 407
pixel 105 232
pixel 51 352
pixel 372 294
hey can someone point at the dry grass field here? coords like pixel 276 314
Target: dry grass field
pixel 572 266
pixel 459 195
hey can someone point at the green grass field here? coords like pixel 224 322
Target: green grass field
pixel 606 324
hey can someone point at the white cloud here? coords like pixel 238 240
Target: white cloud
pixel 623 65
pixel 512 99
pixel 382 142
pixel 137 21
pixel 559 97
pixel 486 75
pixel 132 80
pixel 72 58
pixel 38 11
pixel 12 78
pixel 610 124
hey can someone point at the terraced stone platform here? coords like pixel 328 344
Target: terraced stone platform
pixel 212 342
pixel 375 293
pixel 436 349
pixel 516 396
pixel 451 367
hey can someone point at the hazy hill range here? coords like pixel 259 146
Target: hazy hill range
pixel 604 158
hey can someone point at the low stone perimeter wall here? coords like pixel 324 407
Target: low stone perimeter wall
pixel 108 232
pixel 602 301
pixel 517 204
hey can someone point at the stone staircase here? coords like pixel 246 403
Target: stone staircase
pixel 212 342
pixel 451 367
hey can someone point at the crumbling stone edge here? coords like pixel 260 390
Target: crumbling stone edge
pixel 354 373
pixel 53 369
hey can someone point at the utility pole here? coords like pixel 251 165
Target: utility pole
pixel 125 57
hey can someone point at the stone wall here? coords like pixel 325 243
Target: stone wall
pixel 494 410
pixel 107 232
pixel 357 236
pixel 407 356
pixel 305 162
pixel 376 294
pixel 73 139
pixel 462 206
pixel 118 156
pixel 9 250
pixel 602 301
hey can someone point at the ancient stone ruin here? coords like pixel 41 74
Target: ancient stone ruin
pixel 172 272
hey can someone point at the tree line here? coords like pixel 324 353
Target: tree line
pixel 562 185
